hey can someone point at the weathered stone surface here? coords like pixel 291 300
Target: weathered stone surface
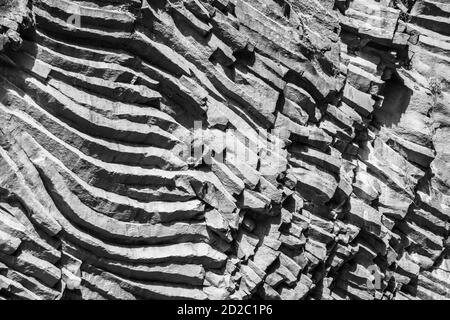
pixel 226 149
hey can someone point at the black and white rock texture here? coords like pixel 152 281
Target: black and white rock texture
pixel 320 132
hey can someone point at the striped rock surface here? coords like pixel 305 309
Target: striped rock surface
pixel 224 149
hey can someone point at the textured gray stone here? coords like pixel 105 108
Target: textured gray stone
pixel 226 149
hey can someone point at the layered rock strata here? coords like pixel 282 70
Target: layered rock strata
pixel 224 149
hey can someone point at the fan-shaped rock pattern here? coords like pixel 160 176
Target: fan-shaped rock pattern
pixel 224 149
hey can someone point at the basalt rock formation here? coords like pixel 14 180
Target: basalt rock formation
pixel 323 136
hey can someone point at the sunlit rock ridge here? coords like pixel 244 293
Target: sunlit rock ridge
pixel 317 136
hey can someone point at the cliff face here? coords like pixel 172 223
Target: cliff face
pixel 224 149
